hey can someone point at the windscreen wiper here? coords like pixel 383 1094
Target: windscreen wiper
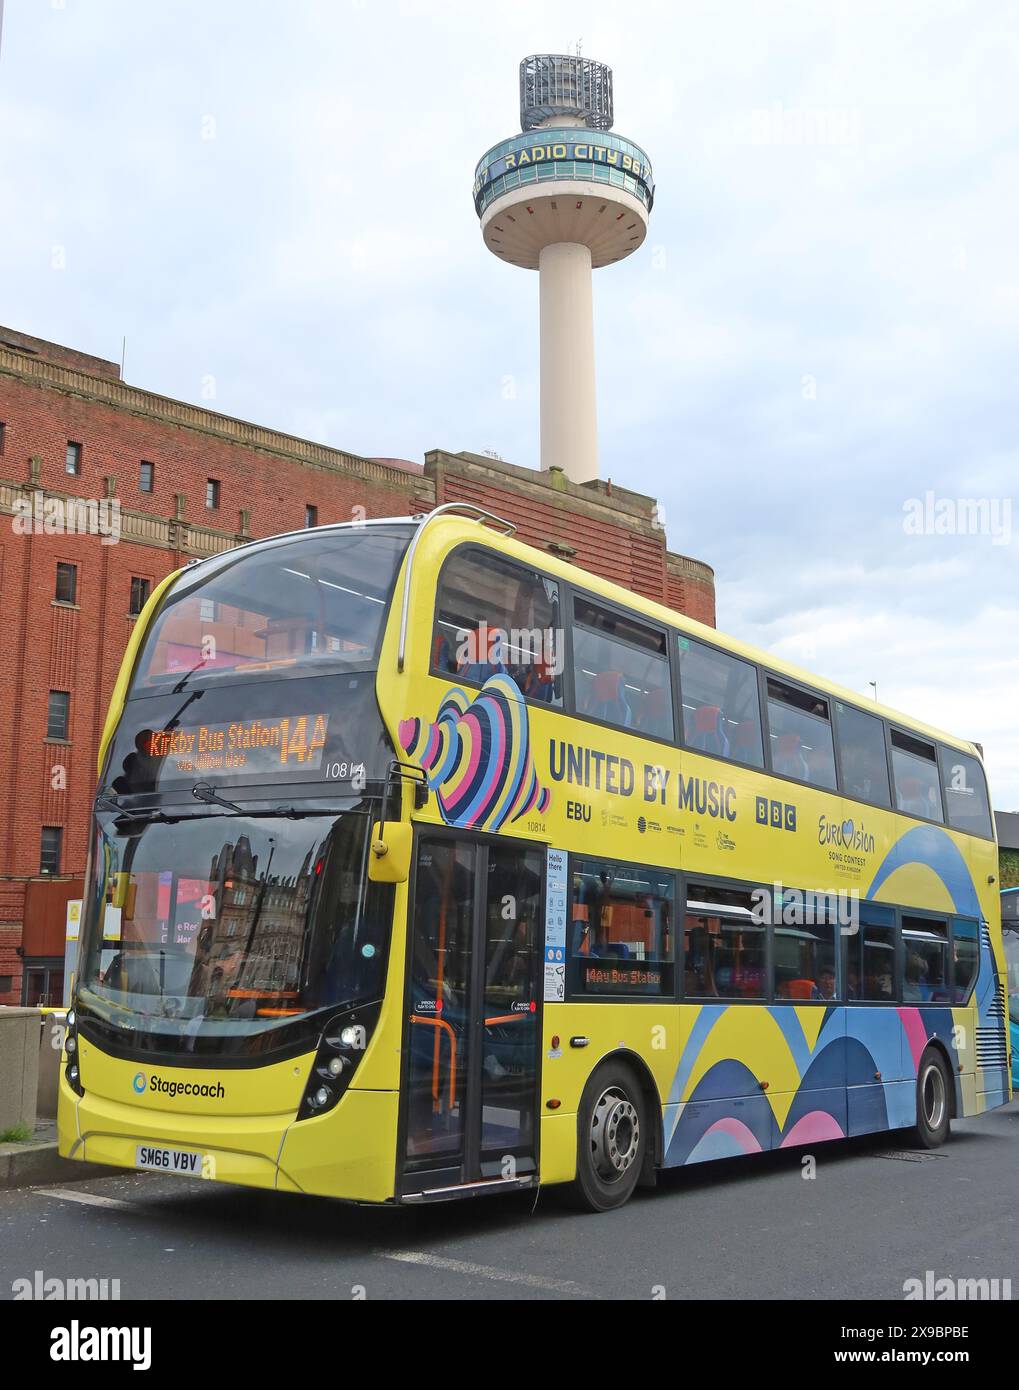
pixel 201 791
pixel 178 689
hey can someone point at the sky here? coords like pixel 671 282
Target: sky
pixel 272 203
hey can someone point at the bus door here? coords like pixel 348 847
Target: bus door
pixel 473 1020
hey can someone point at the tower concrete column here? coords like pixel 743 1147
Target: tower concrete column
pixel 569 423
pixel 564 198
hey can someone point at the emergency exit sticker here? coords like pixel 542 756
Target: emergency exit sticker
pixel 555 926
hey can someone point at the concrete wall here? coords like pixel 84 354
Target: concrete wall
pixel 51 1042
pixel 19 1067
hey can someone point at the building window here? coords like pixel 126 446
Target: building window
pixel 861 740
pixel 146 476
pixel 51 845
pixel 721 704
pixel 207 610
pixel 915 770
pixel 58 716
pixel 965 793
pixel 622 932
pixel 621 670
pixel 310 515
pixel 3 436
pixel 800 732
pixel 212 493
pixel 72 459
pixel 140 589
pixel 495 617
pixel 6 984
pixel 67 583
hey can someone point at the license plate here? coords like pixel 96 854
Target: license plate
pixel 169 1161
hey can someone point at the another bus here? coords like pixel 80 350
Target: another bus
pixel 1010 927
pixel 426 865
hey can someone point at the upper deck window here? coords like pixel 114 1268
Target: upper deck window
pixel 915 769
pixel 965 792
pixel 621 670
pixel 296 608
pixel 800 729
pixel 721 703
pixel 496 617
pixel 861 739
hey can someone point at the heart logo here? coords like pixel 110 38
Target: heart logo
pixel 847 831
pixel 476 756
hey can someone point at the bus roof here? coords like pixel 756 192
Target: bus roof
pixel 449 528
pixel 462 528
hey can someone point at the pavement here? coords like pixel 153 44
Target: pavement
pixel 876 1214
pixel 29 1162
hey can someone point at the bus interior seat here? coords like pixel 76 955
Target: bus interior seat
pixel 608 699
pixel 789 759
pixel 746 741
pixel 709 731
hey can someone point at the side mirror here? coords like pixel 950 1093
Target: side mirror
pixel 390 851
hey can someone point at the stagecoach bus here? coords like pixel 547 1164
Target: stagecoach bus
pixel 425 865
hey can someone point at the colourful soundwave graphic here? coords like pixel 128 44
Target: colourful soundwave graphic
pixel 476 757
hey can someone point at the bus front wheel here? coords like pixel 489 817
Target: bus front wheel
pixel 612 1138
pixel 933 1108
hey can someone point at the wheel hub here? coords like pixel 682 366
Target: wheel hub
pixel 933 1092
pixel 615 1134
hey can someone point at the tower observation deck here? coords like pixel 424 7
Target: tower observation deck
pixel 566 197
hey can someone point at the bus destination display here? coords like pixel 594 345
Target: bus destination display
pixel 288 742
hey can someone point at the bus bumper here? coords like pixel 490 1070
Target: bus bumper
pixel 347 1153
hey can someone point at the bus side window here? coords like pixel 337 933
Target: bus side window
pixel 870 967
pixel 721 703
pixel 965 957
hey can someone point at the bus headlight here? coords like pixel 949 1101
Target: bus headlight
pixel 341 1047
pixel 72 1073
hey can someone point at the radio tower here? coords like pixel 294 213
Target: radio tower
pixel 565 198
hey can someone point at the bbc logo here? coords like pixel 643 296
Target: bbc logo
pixel 780 815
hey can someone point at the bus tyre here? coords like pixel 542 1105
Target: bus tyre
pixel 612 1137
pixel 933 1105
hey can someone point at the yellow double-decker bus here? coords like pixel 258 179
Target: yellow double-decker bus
pixel 425 865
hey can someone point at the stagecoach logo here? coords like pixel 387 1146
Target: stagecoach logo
pixel 207 1090
pixel 846 835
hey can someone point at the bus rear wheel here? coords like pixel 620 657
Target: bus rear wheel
pixel 933 1109
pixel 612 1138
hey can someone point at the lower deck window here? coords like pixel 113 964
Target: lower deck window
pixel 621 929
pixel 925 961
pixel 725 944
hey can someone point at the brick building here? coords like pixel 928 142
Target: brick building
pixel 191 483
